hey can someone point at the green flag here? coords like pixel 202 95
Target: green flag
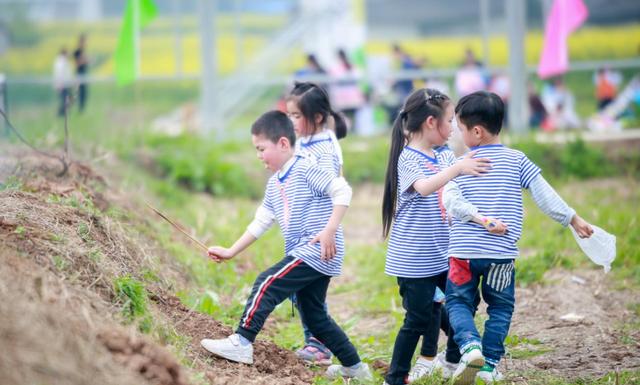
pixel 137 15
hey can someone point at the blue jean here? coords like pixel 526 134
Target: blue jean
pixel 498 291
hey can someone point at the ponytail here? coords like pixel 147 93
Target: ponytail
pixel 391 179
pixel 312 100
pixel 421 104
pixel 339 124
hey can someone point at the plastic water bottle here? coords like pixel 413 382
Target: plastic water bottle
pixel 600 247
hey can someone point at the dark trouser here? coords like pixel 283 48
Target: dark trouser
pixel 430 345
pixel 422 318
pixel 63 94
pixel 82 95
pixel 305 329
pixel 277 283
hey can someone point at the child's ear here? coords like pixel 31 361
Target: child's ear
pixel 478 131
pixel 431 121
pixel 318 119
pixel 283 143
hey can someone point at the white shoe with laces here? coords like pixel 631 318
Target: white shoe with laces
pixel 489 375
pixel 230 348
pixel 422 368
pixel 471 362
pixel 445 367
pixel 362 372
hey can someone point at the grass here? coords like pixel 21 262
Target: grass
pixel 368 295
pixel 118 122
pixel 132 296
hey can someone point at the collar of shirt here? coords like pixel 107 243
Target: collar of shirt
pixel 433 160
pixel 284 171
pixel 322 136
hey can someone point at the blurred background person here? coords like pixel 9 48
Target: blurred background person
pixel 62 79
pixel 606 83
pixel 559 102
pixel 537 112
pixel 470 77
pixel 82 69
pixel 345 92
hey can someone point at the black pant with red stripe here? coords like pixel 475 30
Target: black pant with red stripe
pixel 277 283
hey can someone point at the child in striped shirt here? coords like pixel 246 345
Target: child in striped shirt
pixel 478 257
pixel 308 203
pixel 314 123
pixel 418 239
pixel 318 127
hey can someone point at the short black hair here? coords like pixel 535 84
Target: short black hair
pixel 274 125
pixel 481 108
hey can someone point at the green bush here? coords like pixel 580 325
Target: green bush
pixel 202 165
pixel 365 160
pixel 574 159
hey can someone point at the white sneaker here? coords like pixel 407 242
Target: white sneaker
pixel 361 373
pixel 489 376
pixel 230 348
pixel 422 368
pixel 470 363
pixel 445 367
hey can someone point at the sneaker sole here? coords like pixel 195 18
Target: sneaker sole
pixel 229 357
pixel 326 362
pixel 468 375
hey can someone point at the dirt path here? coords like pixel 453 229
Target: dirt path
pixel 582 319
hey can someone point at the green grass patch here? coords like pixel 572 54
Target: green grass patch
pixel 132 297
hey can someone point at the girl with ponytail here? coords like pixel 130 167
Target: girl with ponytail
pixel 414 218
pixel 318 128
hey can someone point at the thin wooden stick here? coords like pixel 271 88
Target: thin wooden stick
pixel 197 242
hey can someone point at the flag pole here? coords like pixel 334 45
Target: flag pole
pixel 136 37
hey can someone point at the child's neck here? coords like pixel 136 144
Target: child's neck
pixel 285 161
pixel 488 140
pixel 422 145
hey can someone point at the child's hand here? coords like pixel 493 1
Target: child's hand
pixel 327 239
pixel 473 166
pixel 495 226
pixel 582 227
pixel 219 254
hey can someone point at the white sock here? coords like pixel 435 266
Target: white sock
pixel 243 340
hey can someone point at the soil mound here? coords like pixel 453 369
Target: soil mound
pixel 63 241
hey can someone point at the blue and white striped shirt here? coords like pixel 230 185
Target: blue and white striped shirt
pixel 419 237
pixel 297 198
pixel 322 149
pixel 498 194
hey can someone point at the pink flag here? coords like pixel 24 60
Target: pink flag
pixel 565 17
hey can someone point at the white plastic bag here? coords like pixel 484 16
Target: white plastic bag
pixel 600 247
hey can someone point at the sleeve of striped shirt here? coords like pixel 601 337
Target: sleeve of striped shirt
pixel 329 162
pixel 456 204
pixel 528 171
pixel 262 222
pixel 340 192
pixel 409 171
pixel 318 180
pixel 548 200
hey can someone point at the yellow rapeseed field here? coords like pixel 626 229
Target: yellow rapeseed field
pixel 158 46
